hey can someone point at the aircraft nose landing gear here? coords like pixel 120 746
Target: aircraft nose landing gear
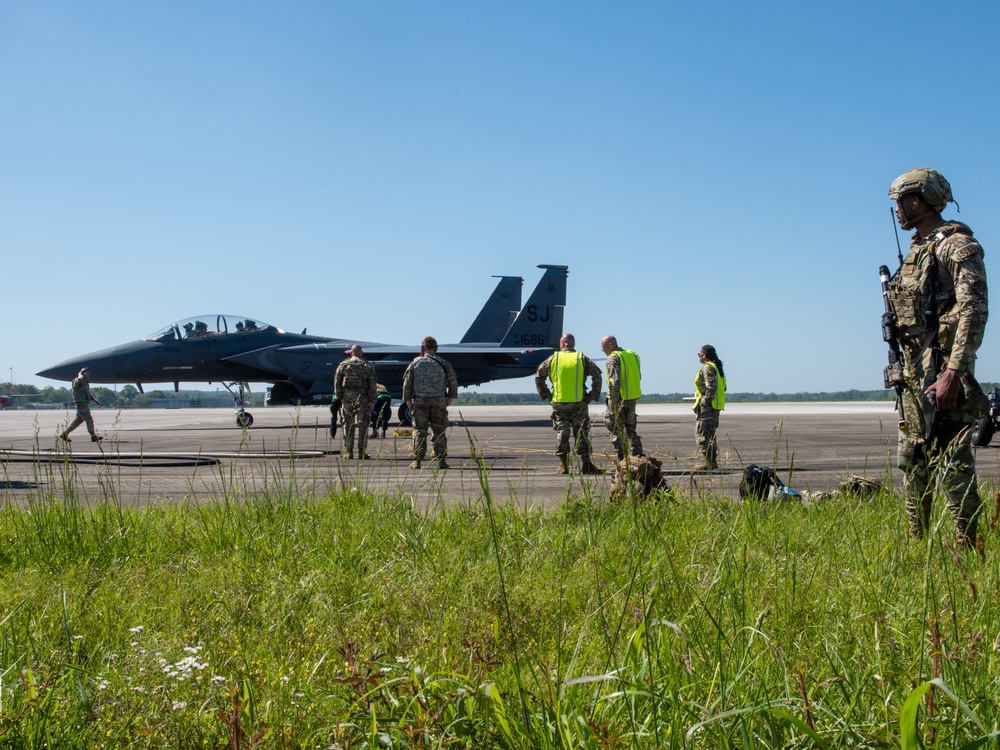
pixel 244 419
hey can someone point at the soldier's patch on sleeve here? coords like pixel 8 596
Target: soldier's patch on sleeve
pixel 965 251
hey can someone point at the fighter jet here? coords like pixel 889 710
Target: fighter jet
pixel 235 351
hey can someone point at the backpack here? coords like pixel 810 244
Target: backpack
pixel 758 482
pixel 762 483
pixel 352 372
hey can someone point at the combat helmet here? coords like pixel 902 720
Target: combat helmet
pixel 930 183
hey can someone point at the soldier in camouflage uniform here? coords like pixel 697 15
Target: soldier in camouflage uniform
pixel 355 388
pixel 710 400
pixel 939 300
pixel 82 398
pixel 624 374
pixel 429 386
pixel 568 371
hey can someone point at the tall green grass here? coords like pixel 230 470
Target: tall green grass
pixel 277 617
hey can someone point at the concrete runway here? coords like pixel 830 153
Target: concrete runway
pixel 152 455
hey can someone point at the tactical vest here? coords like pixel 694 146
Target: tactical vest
pixel 910 290
pixel 429 378
pixel 567 374
pixel 719 400
pixel 628 372
pixel 352 374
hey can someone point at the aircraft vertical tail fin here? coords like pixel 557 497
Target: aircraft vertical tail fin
pixel 540 322
pixel 498 313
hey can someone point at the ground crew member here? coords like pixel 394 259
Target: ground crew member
pixel 568 371
pixel 624 375
pixel 710 400
pixel 939 299
pixel 429 386
pixel 82 398
pixel 381 412
pixel 354 387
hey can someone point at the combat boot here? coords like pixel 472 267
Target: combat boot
pixel 563 468
pixel 95 438
pixel 589 467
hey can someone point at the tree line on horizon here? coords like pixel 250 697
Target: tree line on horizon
pixel 129 397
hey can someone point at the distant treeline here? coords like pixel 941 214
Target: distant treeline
pixel 494 399
pixel 491 399
pixel 128 397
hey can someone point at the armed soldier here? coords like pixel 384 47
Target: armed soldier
pixel 355 389
pixel 429 386
pixel 82 398
pixel 568 370
pixel 939 301
pixel 624 376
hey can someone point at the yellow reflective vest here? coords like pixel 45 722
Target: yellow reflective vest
pixel 567 374
pixel 719 400
pixel 628 374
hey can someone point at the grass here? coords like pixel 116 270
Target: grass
pixel 278 618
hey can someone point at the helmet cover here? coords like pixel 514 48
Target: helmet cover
pixel 929 183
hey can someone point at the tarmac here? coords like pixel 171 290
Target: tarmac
pixel 197 455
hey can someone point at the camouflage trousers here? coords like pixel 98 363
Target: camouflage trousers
pixel 82 415
pixel 432 414
pixel 571 419
pixel 705 427
pixel 354 417
pixel 946 465
pixel 620 420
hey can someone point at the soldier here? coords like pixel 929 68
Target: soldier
pixel 429 386
pixel 939 300
pixel 623 391
pixel 82 398
pixel 710 400
pixel 568 371
pixel 354 388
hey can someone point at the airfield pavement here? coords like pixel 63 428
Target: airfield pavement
pixel 167 455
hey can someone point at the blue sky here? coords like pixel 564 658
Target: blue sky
pixel 711 172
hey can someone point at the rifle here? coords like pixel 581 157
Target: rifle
pixel 893 372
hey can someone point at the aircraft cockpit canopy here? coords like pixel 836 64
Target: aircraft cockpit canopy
pixel 202 326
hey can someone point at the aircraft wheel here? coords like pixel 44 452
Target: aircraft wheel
pixel 982 432
pixel 405 415
pixel 244 420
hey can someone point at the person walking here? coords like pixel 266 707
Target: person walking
pixel 429 386
pixel 710 400
pixel 82 397
pixel 568 371
pixel 624 390
pixel 940 304
pixel 355 388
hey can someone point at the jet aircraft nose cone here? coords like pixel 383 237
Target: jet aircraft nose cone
pixel 61 371
pixel 102 364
